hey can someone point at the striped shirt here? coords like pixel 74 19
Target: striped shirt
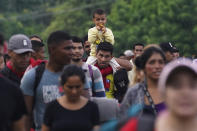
pixel 98 81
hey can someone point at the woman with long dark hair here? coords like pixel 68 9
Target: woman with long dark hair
pixel 146 93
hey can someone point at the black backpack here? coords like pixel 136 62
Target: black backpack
pixel 38 75
pixel 121 82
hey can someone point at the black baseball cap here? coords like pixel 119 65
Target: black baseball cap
pixel 166 46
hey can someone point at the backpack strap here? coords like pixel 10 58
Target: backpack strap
pixel 92 77
pixel 38 75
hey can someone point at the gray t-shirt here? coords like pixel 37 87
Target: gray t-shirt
pixel 47 90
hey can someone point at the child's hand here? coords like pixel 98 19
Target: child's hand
pixel 103 29
pixel 98 28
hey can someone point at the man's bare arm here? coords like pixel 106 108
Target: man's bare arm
pixel 19 125
pixel 29 118
pixel 124 63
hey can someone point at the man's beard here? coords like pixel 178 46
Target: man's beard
pixel 76 60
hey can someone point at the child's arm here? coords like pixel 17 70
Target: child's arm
pixel 92 35
pixel 108 35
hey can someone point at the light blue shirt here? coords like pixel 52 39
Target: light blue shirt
pixel 47 91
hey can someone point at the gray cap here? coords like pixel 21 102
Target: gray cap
pixel 128 53
pixel 181 62
pixel 20 44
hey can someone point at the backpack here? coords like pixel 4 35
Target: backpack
pixel 38 75
pixel 121 82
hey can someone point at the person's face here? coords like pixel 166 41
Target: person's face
pixel 62 53
pixel 40 54
pixel 181 95
pixel 138 50
pixel 169 56
pixel 176 55
pixel 77 51
pixel 103 58
pixel 87 47
pixel 20 61
pixel 2 64
pixel 154 66
pixel 99 19
pixel 73 88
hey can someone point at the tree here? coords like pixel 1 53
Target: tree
pixel 154 22
pixel 74 17
pixel 131 21
pixel 28 17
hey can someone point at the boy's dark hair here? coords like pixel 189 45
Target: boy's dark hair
pixel 35 36
pixel 72 70
pixel 99 12
pixel 105 46
pixel 58 37
pixel 137 44
pixel 77 39
pixel 36 45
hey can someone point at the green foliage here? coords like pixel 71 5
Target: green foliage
pixel 155 21
pixel 131 21
pixel 74 17
pixel 25 16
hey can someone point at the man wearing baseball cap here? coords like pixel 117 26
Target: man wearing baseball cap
pixel 168 50
pixel 19 50
pixel 129 54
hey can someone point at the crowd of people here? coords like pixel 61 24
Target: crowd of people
pixel 83 87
